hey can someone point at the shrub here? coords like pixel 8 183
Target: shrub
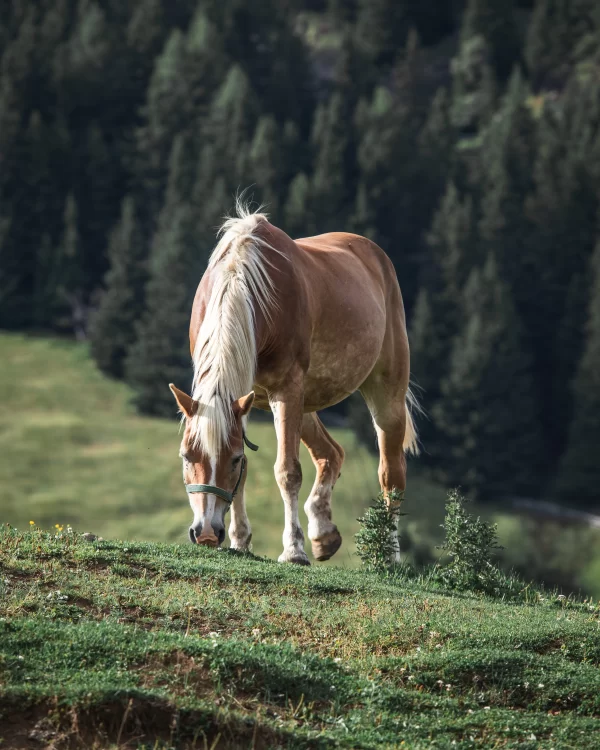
pixel 469 543
pixel 375 544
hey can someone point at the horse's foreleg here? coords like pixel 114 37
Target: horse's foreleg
pixel 240 532
pixel 287 413
pixel 327 457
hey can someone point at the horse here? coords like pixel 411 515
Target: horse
pixel 292 327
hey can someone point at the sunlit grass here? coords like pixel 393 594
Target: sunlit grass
pixel 73 451
pixel 112 641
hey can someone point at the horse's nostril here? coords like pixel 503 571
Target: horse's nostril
pixel 192 536
pixel 221 535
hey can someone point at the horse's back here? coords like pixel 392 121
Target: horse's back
pixel 333 249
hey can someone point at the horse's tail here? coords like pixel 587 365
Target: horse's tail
pixel 411 436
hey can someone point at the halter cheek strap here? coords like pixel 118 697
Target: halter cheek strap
pixel 212 490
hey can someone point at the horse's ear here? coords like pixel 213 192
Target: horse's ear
pixel 186 403
pixel 242 406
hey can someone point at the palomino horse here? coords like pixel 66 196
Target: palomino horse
pixel 290 326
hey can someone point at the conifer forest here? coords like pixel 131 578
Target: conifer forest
pixel 463 136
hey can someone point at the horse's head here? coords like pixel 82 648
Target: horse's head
pixel 212 481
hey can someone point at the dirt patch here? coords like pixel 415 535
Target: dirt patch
pixel 129 723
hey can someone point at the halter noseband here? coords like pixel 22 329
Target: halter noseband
pixel 210 489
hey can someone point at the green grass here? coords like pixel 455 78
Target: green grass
pixel 129 644
pixel 74 451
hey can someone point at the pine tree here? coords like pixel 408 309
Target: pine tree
pixel 145 30
pixel 160 354
pixel 97 176
pixel 506 163
pixel 439 313
pixel 554 31
pixel 206 64
pixel 7 275
pixel 563 213
pixel 264 43
pixel 495 21
pixel 579 477
pixel 436 141
pixel 113 325
pixel 264 164
pixel 383 27
pixel 84 64
pixel 333 161
pixel 167 113
pixel 473 85
pixel 568 349
pixel 487 413
pixel 296 216
pixel 380 134
pixel 452 243
pixel 230 125
pixel 69 259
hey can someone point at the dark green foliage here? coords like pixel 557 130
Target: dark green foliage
pixel 495 21
pixel 579 478
pixel 383 26
pixel 556 28
pixel 264 157
pixel 113 325
pixel 295 212
pixel 438 313
pixel 160 354
pixel 470 543
pixel 375 544
pixel 488 412
pixel 474 87
pixel 331 139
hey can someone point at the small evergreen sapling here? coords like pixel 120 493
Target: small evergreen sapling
pixel 377 541
pixel 469 543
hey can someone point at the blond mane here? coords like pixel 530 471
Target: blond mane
pixel 225 351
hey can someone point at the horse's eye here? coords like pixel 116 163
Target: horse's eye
pixel 236 460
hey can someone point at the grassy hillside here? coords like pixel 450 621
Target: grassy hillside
pixel 73 451
pixel 106 644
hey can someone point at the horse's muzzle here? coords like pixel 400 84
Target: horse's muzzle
pixel 208 538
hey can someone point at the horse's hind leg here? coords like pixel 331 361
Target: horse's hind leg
pixel 327 457
pixel 390 417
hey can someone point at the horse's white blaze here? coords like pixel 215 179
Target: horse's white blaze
pixel 203 504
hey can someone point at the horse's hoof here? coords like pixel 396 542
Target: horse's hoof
pixel 297 558
pixel 326 546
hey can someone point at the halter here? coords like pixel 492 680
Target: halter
pixel 227 496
